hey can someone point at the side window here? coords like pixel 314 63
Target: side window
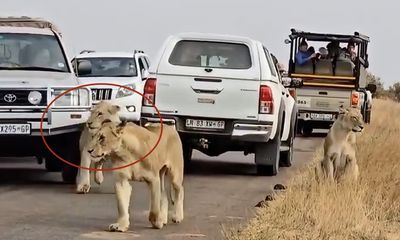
pixel 270 63
pixel 147 62
pixel 141 64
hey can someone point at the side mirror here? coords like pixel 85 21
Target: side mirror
pixel 287 41
pixel 145 74
pixel 371 87
pixel 84 67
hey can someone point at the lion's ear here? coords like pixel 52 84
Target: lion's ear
pixel 342 110
pixel 114 109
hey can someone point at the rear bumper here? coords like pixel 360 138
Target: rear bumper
pixel 235 130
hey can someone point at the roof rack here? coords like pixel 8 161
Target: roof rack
pixel 138 51
pixel 295 33
pixel 25 21
pixel 87 51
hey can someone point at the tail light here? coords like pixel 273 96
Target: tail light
pixel 149 92
pixel 292 92
pixel 355 97
pixel 266 100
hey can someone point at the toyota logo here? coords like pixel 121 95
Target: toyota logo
pixel 10 98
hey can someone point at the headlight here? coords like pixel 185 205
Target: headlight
pixel 123 92
pixel 78 97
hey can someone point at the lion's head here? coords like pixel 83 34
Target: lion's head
pixel 351 119
pixel 100 113
pixel 106 140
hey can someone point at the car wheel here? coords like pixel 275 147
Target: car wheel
pixel 53 164
pixel 187 156
pixel 286 157
pixel 71 154
pixel 267 155
pixel 307 130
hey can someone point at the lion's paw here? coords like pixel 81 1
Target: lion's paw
pixel 83 188
pixel 116 227
pixel 156 220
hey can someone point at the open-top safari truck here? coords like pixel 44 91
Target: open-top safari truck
pixel 329 82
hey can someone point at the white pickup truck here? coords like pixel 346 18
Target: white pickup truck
pixel 34 69
pixel 223 93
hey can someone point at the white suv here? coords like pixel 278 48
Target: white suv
pixel 223 93
pixel 34 69
pixel 122 68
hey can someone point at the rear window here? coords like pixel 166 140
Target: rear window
pixel 211 54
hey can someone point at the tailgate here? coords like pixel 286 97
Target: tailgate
pixel 216 97
pixel 322 99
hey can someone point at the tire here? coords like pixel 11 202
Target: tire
pixel 70 153
pixel 286 157
pixel 307 130
pixel 267 155
pixel 53 164
pixel 187 156
pixel 368 116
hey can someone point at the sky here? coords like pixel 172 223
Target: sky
pixel 125 25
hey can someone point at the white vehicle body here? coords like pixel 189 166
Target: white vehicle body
pixel 27 88
pixel 130 102
pixel 219 108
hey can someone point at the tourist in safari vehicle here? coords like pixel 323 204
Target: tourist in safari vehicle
pixel 333 77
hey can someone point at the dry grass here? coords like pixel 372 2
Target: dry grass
pixel 369 209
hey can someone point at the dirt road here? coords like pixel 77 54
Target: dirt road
pixel 220 191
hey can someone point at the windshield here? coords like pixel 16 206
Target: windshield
pixel 19 51
pixel 106 67
pixel 211 54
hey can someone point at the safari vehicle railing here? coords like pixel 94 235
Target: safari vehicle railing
pixel 28 22
pixel 326 72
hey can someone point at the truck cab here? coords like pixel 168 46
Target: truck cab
pixel 331 79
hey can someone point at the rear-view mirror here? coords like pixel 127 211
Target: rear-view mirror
pixel 287 41
pixel 84 67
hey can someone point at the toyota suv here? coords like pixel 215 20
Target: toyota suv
pixel 34 70
pixel 123 68
pixel 223 93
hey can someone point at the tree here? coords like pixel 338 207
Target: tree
pixel 395 91
pixel 380 89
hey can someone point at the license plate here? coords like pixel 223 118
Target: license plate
pixel 321 116
pixel 206 124
pixel 11 129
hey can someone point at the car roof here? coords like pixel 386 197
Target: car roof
pixel 213 36
pixel 106 54
pixel 28 30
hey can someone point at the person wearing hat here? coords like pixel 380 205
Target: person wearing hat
pixel 304 55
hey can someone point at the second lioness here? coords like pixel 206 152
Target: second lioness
pixel 127 142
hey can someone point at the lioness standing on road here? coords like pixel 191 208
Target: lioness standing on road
pixel 127 142
pixel 339 160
